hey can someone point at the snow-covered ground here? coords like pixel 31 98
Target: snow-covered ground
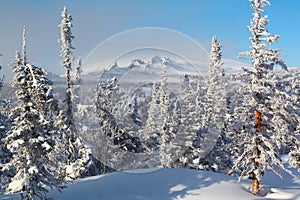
pixel 164 184
pixel 176 184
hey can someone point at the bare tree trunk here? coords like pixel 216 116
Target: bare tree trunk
pixel 256 153
pixel 255 182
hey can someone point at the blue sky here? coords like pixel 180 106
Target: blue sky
pixel 97 20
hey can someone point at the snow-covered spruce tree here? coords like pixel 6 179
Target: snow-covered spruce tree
pixel 4 152
pixel 3 129
pixel 213 153
pixel 66 115
pixel 126 111
pixel 259 151
pixel 107 123
pixel 188 126
pixel 200 100
pixel 239 119
pixel 284 119
pixel 134 111
pixel 79 158
pixel 175 117
pixel 200 110
pixel 30 137
pixel 104 106
pixel 122 109
pixel 87 164
pixel 66 52
pixel 215 103
pixel 166 129
pixel 152 127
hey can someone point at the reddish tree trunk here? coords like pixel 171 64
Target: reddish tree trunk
pixel 258 121
pixel 256 153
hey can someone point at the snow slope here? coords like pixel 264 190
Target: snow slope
pixel 164 184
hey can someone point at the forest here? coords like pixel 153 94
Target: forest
pixel 238 124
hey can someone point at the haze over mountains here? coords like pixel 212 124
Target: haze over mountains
pixel 150 70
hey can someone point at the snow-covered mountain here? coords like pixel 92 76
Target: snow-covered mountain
pixel 150 70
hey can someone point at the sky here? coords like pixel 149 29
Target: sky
pixel 97 20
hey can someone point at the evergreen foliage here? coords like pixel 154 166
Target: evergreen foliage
pixel 78 155
pixel 259 145
pixel 30 139
pixel 209 156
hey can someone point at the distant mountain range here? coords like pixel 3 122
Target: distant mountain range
pixel 150 70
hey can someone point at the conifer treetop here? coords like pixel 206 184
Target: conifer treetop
pixel 24 46
pixel 261 54
pixel 66 38
pixel 215 60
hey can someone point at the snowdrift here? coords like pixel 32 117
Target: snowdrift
pixel 163 184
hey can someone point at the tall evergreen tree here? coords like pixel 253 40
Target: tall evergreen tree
pixel 79 158
pixel 213 153
pixel 66 52
pixel 166 131
pixel 200 99
pixel 200 110
pixel 259 149
pixel 30 140
pixel 188 126
pixel 152 127
pixel 216 89
pixel 30 137
pixel 4 152
pixel 66 116
pixel 284 119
